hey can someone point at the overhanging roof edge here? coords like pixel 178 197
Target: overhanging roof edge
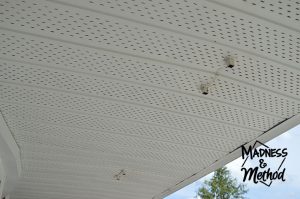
pixel 265 137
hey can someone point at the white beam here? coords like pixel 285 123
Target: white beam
pixel 10 158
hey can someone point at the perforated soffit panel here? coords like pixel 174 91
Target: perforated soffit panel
pixel 89 88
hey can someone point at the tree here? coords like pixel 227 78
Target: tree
pixel 222 186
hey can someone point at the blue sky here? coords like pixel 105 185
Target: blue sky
pixel 290 189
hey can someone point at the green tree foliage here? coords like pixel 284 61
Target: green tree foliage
pixel 222 186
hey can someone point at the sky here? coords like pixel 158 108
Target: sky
pixel 290 189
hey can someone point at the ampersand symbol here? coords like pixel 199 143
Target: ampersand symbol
pixel 262 164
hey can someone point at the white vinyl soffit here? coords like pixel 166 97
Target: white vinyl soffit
pixel 103 97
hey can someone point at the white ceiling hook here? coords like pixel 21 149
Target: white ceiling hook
pixel 230 61
pixel 120 174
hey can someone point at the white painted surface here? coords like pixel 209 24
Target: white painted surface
pixel 2 178
pixel 89 88
pixel 10 162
